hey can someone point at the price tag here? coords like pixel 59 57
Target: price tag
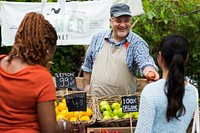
pixel 65 80
pixel 76 101
pixel 130 104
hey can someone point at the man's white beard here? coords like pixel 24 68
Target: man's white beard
pixel 122 34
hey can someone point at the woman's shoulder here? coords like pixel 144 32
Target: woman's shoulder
pixel 191 87
pixel 2 56
pixel 38 73
pixel 154 87
pixel 38 69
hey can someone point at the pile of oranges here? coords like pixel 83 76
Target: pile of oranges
pixel 61 110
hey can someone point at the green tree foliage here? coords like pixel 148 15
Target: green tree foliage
pixel 68 59
pixel 163 17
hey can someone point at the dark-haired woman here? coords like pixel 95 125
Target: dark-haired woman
pixel 27 91
pixel 167 105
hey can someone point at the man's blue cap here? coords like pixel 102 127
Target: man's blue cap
pixel 120 9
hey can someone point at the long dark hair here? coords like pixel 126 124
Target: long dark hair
pixel 174 50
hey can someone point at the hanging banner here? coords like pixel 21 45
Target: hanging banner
pixel 75 25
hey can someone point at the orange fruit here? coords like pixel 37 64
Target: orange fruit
pixel 73 119
pixel 78 114
pixel 61 106
pixel 59 116
pixel 68 114
pixel 88 112
pixel 85 118
pixel 63 112
pixel 56 110
pixel 64 101
pixel 55 103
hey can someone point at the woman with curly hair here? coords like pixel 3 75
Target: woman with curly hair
pixel 27 91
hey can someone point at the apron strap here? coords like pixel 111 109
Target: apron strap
pixel 126 44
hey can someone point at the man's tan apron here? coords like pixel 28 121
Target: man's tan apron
pixel 110 74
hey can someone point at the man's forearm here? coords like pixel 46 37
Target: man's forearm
pixel 86 80
pixel 86 76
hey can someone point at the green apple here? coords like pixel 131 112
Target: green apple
pixel 120 103
pixel 106 117
pixel 107 113
pixel 115 117
pixel 111 114
pixel 105 107
pixel 103 103
pixel 115 105
pixel 134 113
pixel 127 116
pixel 136 116
pixel 115 112
pixel 120 114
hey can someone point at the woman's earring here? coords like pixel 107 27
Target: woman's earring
pixel 47 51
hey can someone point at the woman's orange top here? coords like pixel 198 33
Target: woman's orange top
pixel 19 94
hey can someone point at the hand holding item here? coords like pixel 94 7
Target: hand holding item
pixel 151 74
pixel 86 88
pixel 67 126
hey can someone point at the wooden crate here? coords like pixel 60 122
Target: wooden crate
pixel 111 129
pixel 121 122
pixel 141 83
pixel 91 103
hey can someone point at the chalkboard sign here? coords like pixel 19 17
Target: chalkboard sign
pixel 130 104
pixel 76 101
pixel 65 80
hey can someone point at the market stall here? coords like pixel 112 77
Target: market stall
pixel 98 116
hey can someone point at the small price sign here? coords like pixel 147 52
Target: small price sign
pixel 76 101
pixel 65 80
pixel 130 104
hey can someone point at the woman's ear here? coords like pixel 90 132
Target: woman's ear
pixel 187 57
pixel 159 57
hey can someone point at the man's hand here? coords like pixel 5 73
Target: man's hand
pixel 86 88
pixel 151 74
pixel 86 80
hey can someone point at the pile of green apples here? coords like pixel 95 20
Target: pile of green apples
pixel 114 111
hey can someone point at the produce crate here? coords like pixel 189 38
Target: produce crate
pixel 90 103
pixel 141 83
pixel 111 129
pixel 120 122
